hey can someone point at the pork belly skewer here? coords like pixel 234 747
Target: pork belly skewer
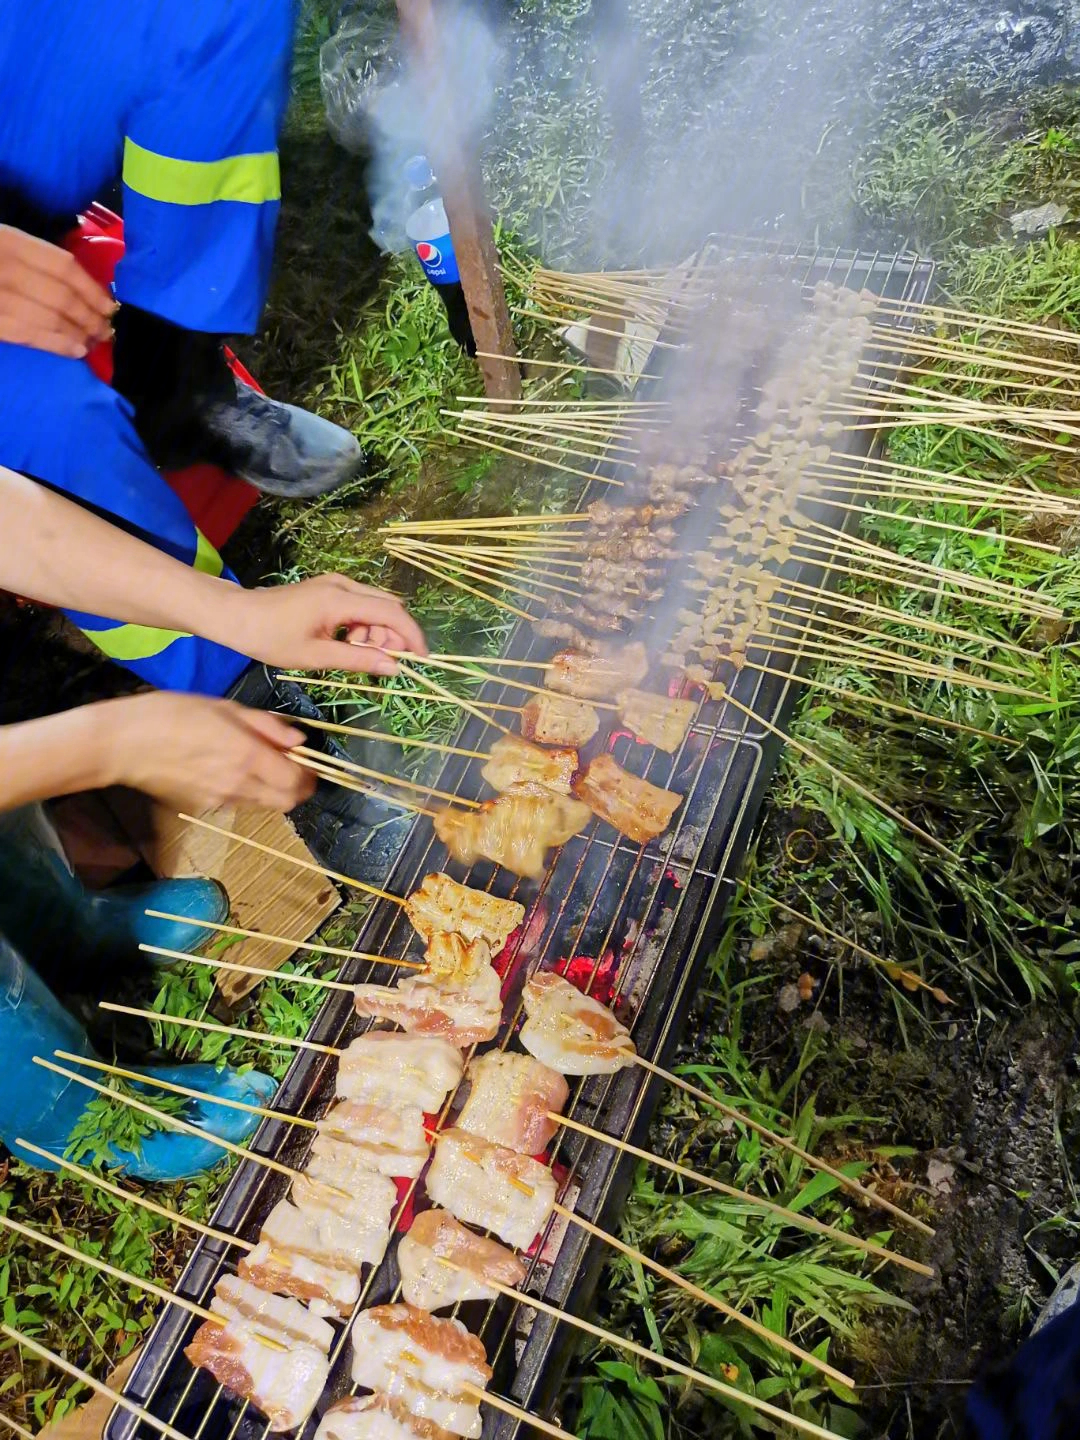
pixel 464 1010
pixel 515 831
pixel 574 1033
pixel 273 1351
pixel 596 1046
pixel 637 809
pixel 517 1101
pixel 514 1196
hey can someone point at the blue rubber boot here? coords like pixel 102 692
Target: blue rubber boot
pixel 45 910
pixel 44 1108
pixel 122 912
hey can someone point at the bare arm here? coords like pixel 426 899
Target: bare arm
pixel 57 552
pixel 182 749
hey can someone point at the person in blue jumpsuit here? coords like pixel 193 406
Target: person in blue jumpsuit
pixel 183 104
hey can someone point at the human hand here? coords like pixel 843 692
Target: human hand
pixel 196 753
pixel 47 300
pixel 297 626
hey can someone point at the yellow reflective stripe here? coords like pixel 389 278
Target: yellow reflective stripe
pixel 207 558
pixel 133 642
pixel 250 179
pixel 139 642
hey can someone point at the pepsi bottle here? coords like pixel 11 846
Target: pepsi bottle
pixel 429 230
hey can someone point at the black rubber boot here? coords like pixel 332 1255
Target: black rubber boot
pixel 359 834
pixel 190 408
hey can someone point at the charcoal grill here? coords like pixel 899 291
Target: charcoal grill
pixel 640 922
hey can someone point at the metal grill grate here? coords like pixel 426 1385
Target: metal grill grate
pixel 646 918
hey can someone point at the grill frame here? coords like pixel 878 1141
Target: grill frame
pixel 529 1366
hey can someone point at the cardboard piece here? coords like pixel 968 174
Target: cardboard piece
pixel 88 1421
pixel 265 893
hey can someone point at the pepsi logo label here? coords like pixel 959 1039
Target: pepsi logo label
pixel 429 254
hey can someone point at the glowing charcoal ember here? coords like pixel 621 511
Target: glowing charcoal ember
pixel 442 905
pixel 464 1012
pixel 635 808
pixel 515 831
pixel 491 1187
pixel 285 1378
pixel 390 1142
pixel 513 761
pixel 510 1097
pixel 426 1363
pixel 559 720
pixel 282 1270
pixel 597 677
pixel 474 1262
pixel 452 957
pixel 375 1417
pixel 384 1067
pixel 656 719
pixel 570 1031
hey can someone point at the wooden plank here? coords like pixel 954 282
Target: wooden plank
pixel 457 167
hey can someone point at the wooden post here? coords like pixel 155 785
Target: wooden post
pixel 458 171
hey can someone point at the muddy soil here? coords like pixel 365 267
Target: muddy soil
pixel 991 1105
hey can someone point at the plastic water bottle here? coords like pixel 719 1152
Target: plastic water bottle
pixel 429 230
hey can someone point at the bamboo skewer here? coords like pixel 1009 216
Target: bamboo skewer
pixel 292 859
pixel 632 340
pixel 189 1093
pixel 846 1181
pixel 427 683
pixel 14 1424
pixel 162 1116
pixel 623 1342
pixel 472 522
pixel 133 1198
pixel 345 782
pixel 839 775
pixel 488 444
pixel 925 522
pixel 351 767
pixel 349 685
pixel 439 574
pixel 759 1202
pixel 704 1296
pixel 157 1291
pixel 310 945
pixel 235 967
pixel 498 571
pixel 487 1397
pixel 361 734
pixel 83 1376
pixel 848 944
pixel 876 702
pixel 234 1031
pixel 880 571
pixel 479 433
